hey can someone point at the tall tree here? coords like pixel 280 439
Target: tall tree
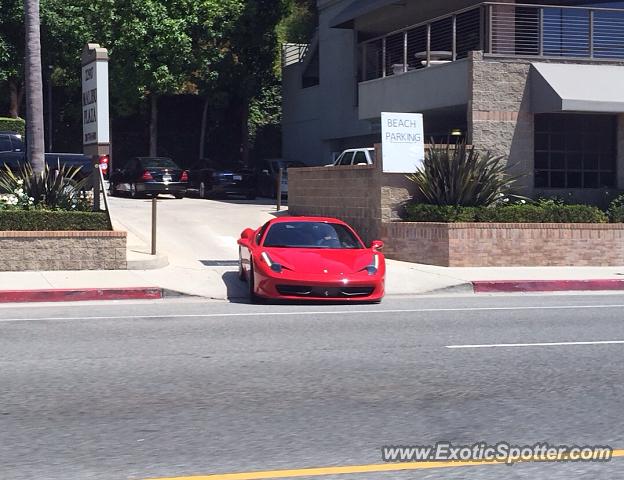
pixel 34 86
pixel 251 64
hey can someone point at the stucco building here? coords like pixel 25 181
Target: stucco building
pixel 541 83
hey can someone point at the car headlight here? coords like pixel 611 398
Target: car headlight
pixel 373 268
pixel 276 267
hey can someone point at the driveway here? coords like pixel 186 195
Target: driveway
pixel 190 230
pixel 198 237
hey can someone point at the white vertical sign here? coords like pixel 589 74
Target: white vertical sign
pixel 402 142
pixel 95 129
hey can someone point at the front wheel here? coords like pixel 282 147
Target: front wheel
pixel 241 270
pixel 112 190
pixel 179 196
pixel 253 297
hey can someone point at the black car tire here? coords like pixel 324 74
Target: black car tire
pixel 253 298
pixel 179 196
pixel 133 191
pixel 251 195
pixel 241 271
pixel 112 190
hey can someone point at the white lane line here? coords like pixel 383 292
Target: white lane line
pixel 321 312
pixel 545 344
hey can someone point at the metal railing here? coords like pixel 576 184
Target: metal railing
pixel 555 31
pixel 499 29
pixel 293 53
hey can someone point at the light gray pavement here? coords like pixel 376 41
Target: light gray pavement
pixel 197 238
pixel 135 390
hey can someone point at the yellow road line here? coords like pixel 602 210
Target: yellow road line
pixel 348 470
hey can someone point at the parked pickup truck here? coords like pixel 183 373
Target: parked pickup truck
pixel 13 154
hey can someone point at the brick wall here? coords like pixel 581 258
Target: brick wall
pixel 74 250
pixel 361 195
pixel 350 193
pixel 500 244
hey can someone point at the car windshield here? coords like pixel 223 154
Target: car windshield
pixel 311 235
pixel 158 163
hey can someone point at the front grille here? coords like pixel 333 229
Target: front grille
pixel 324 292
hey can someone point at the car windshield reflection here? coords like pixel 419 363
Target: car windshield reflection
pixel 311 235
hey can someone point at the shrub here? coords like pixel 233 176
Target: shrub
pixel 459 175
pixel 51 189
pixel 616 210
pixel 45 220
pixel 540 212
pixel 17 125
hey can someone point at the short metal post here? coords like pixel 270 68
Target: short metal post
pixel 383 58
pixel 541 33
pixel 405 59
pixel 154 221
pixel 95 179
pixel 279 189
pixel 428 45
pixel 591 34
pixel 454 53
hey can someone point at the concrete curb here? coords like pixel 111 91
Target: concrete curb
pixel 81 294
pixel 511 286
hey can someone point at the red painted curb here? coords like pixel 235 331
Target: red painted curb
pixel 80 294
pixel 499 286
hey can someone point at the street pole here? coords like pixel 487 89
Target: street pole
pixel 154 221
pixel 279 189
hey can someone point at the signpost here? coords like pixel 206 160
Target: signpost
pixel 403 142
pixel 95 110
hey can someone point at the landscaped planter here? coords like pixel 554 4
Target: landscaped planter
pixel 505 244
pixel 68 250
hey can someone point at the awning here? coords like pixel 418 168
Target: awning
pixel 356 9
pixel 559 87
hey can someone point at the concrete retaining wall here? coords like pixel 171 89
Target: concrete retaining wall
pixel 73 250
pixel 505 244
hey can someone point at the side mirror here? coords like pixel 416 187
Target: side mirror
pixel 377 244
pixel 247 234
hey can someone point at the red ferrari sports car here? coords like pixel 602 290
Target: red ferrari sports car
pixel 315 258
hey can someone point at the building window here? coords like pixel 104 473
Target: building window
pixel 575 151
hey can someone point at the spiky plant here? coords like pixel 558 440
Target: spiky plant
pixel 52 188
pixel 460 175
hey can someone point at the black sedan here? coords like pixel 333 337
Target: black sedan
pixel 144 176
pixel 214 179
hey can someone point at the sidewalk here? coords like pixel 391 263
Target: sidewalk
pixel 221 282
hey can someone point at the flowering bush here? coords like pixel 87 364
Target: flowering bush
pixel 50 190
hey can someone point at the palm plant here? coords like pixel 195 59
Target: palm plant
pixel 460 175
pixel 52 189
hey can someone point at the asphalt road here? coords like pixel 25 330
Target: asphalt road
pixel 181 388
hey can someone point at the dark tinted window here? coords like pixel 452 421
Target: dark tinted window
pixel 5 143
pixel 575 151
pixel 311 235
pixel 158 163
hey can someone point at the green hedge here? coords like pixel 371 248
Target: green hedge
pixel 43 220
pixel 13 125
pixel 543 212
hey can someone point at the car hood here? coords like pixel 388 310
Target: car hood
pixel 318 261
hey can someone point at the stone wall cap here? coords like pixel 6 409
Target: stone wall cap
pixel 63 234
pixel 524 226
